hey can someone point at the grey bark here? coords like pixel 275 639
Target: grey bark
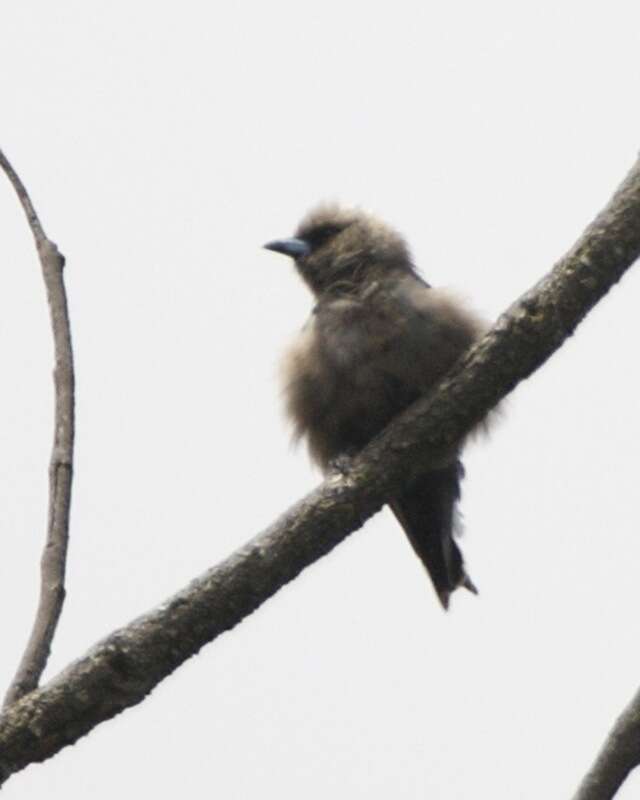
pixel 619 755
pixel 54 555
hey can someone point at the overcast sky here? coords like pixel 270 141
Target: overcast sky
pixel 163 144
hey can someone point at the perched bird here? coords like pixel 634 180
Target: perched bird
pixel 378 338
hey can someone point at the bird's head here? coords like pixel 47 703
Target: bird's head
pixel 339 249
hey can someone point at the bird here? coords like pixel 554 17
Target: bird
pixel 379 337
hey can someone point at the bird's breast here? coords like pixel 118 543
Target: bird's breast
pixel 340 386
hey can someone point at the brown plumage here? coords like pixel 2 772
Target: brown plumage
pixel 378 338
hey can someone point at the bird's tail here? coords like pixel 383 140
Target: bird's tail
pixel 426 511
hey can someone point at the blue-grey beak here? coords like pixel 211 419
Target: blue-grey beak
pixel 296 248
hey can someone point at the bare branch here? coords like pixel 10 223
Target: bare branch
pixel 123 668
pixel 54 556
pixel 618 756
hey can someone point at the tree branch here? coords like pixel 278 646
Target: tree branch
pixel 123 668
pixel 619 755
pixel 54 556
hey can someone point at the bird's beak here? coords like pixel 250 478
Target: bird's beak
pixel 296 248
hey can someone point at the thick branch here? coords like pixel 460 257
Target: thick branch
pixel 619 755
pixel 122 669
pixel 54 556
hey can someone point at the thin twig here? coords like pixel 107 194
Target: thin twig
pixel 619 755
pixel 54 556
pixel 122 669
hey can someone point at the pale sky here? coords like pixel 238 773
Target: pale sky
pixel 162 146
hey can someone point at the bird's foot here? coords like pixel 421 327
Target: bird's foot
pixel 340 465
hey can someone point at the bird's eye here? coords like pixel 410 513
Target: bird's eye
pixel 319 236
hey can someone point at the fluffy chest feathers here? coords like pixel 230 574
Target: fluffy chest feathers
pixel 361 359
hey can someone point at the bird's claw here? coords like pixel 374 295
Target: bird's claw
pixel 340 465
